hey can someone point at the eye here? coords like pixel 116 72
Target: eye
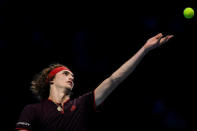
pixel 66 72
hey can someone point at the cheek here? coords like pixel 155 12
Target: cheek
pixel 60 80
pixel 64 78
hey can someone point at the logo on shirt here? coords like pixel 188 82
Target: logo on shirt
pixel 23 123
pixel 73 108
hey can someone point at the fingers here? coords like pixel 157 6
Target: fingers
pixel 158 36
pixel 170 36
pixel 165 39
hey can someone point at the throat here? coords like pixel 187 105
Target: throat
pixel 58 96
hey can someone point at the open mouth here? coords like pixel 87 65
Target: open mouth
pixel 70 83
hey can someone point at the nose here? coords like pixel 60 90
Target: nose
pixel 71 78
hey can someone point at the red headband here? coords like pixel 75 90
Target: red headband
pixel 55 71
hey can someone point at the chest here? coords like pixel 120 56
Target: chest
pixel 74 115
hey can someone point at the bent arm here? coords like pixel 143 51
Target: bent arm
pixel 109 84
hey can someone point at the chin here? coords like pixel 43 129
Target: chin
pixel 68 87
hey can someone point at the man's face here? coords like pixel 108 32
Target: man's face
pixel 64 79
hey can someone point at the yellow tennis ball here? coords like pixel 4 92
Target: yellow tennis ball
pixel 188 13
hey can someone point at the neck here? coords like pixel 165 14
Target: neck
pixel 59 95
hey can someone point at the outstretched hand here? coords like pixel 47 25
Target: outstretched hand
pixel 156 41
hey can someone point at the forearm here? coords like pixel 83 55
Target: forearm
pixel 109 84
pixel 128 67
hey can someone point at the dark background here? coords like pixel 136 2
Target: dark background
pixel 94 39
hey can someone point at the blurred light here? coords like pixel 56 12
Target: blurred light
pixel 158 107
pixel 172 121
pixel 150 23
pixel 37 36
pixel 2 44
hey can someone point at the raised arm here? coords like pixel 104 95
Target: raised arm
pixel 109 84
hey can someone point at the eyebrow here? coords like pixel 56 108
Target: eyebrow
pixel 69 72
